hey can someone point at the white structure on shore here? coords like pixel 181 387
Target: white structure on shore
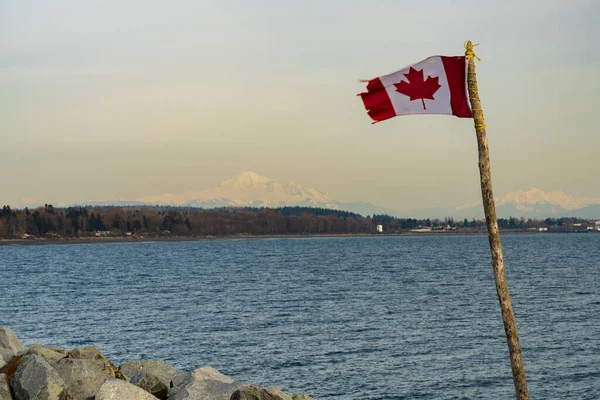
pixel 379 228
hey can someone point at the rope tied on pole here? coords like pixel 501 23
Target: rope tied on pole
pixel 470 51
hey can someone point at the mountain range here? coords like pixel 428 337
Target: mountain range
pixel 535 203
pixel 252 189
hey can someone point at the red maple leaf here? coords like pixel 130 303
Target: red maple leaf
pixel 417 88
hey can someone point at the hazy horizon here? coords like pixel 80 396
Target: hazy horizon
pixel 103 99
pixel 251 189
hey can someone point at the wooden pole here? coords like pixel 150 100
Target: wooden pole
pixel 510 326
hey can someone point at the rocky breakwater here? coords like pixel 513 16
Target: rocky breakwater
pixel 52 373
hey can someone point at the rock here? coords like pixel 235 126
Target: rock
pixel 116 389
pixel 5 357
pixel 211 373
pixel 270 393
pixel 86 353
pixel 259 393
pixel 57 349
pixel 11 367
pixel 154 376
pixel 206 384
pixel 275 391
pixel 82 377
pixel 8 340
pixel 94 353
pixel 51 373
pixel 5 393
pixel 165 372
pixel 151 384
pixel 35 379
pixel 51 355
pixel 10 345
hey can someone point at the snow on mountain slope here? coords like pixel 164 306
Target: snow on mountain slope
pixel 251 189
pixel 531 203
pixel 523 199
pixel 537 196
pixel 248 188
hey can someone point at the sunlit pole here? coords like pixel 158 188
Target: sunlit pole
pixel 489 207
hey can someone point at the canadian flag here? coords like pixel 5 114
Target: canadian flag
pixel 436 85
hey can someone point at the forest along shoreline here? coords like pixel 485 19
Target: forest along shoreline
pixel 104 224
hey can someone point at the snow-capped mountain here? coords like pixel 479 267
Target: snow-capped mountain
pixel 534 203
pixel 523 199
pixel 251 189
pixel 247 189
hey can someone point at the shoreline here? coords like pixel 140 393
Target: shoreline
pixel 148 239
pixel 53 373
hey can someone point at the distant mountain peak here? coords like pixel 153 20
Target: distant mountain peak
pixel 522 199
pixel 248 189
pixel 537 196
pixel 245 180
pixel 533 203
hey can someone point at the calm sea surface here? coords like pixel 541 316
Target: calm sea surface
pixel 337 318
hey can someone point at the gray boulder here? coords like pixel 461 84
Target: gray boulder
pixel 116 389
pixel 51 355
pixel 5 393
pixel 10 345
pixel 166 373
pixel 269 393
pixel 151 384
pixel 82 377
pixel 94 353
pixel 206 383
pixel 259 393
pixel 5 357
pixel 86 353
pixel 35 379
pixel 8 340
pixel 211 373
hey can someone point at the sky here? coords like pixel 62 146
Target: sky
pixel 110 98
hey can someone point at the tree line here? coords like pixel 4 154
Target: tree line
pixel 50 221
pixel 177 221
pixel 510 223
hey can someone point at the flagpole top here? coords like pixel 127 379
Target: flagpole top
pixel 469 50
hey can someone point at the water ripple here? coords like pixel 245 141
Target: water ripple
pixel 338 318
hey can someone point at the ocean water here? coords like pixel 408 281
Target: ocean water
pixel 407 317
